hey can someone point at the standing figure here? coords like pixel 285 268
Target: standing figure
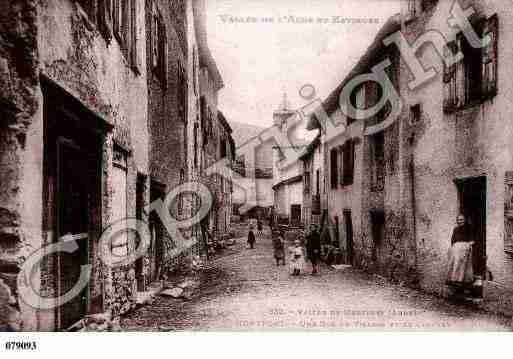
pixel 297 258
pixel 279 248
pixel 461 275
pixel 260 228
pixel 251 238
pixel 313 248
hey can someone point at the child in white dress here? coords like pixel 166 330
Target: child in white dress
pixel 297 258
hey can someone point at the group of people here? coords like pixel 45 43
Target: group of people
pixel 460 264
pixel 297 255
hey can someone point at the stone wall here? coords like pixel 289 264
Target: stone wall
pixel 18 104
pixel 58 42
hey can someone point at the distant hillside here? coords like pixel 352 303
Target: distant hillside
pixel 243 132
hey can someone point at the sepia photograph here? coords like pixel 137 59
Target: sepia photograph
pixel 319 167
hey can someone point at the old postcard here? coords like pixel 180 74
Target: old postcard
pixel 255 166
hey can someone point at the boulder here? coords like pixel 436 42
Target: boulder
pixel 9 316
pixel 189 283
pixel 173 293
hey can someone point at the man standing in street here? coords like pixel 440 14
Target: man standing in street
pixel 313 248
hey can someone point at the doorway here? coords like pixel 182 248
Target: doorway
pixel 472 203
pixel 378 234
pixel 72 198
pixel 295 214
pixel 349 237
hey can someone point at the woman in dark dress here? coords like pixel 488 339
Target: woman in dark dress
pixel 251 238
pixel 460 274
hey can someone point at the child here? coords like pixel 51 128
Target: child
pixel 297 258
pixel 278 246
pixel 251 238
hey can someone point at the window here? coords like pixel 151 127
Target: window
pixel 334 167
pixel 118 18
pixel 119 245
pixel 475 78
pixel 159 46
pixel 318 182
pixel 377 152
pixel 195 70
pixel 489 62
pixel 413 8
pixel 347 157
pixel 196 145
pixel 471 71
pixel 105 18
pixel 307 182
pixel 223 148
pixel 450 83
pixel 181 93
pixel 415 113
pixel 181 195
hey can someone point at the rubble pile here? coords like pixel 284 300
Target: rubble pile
pixel 103 322
pixel 184 290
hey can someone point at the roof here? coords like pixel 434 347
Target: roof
pixel 311 147
pixel 205 56
pixel 392 25
pixel 224 122
pixel 290 180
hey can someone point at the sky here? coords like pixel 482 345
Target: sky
pixel 260 60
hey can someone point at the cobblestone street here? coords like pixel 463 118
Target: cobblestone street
pixel 246 291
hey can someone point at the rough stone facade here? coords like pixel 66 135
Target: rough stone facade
pixel 450 148
pixel 59 47
pixel 168 89
pixel 442 156
pixel 370 209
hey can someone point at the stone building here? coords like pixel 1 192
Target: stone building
pixel 314 185
pixel 226 153
pixel 210 83
pixel 168 107
pixel 456 135
pixel 73 150
pixel 394 192
pixel 194 139
pixel 363 172
pixel 253 196
pixel 287 177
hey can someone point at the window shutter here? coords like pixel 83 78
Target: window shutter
pixel 135 56
pixel 449 79
pixel 164 50
pixel 340 165
pixel 348 160
pixel 116 9
pixel 350 165
pixel 489 58
pixel 154 36
pixel 333 167
pixel 460 83
pixel 105 18
pixel 126 27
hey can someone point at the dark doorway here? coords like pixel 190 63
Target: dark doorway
pixel 157 231
pixel 295 214
pixel 140 204
pixel 349 237
pixel 378 233
pixel 72 195
pixel 73 191
pixel 472 198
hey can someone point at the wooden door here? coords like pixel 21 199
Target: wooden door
pixel 73 198
pixel 349 237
